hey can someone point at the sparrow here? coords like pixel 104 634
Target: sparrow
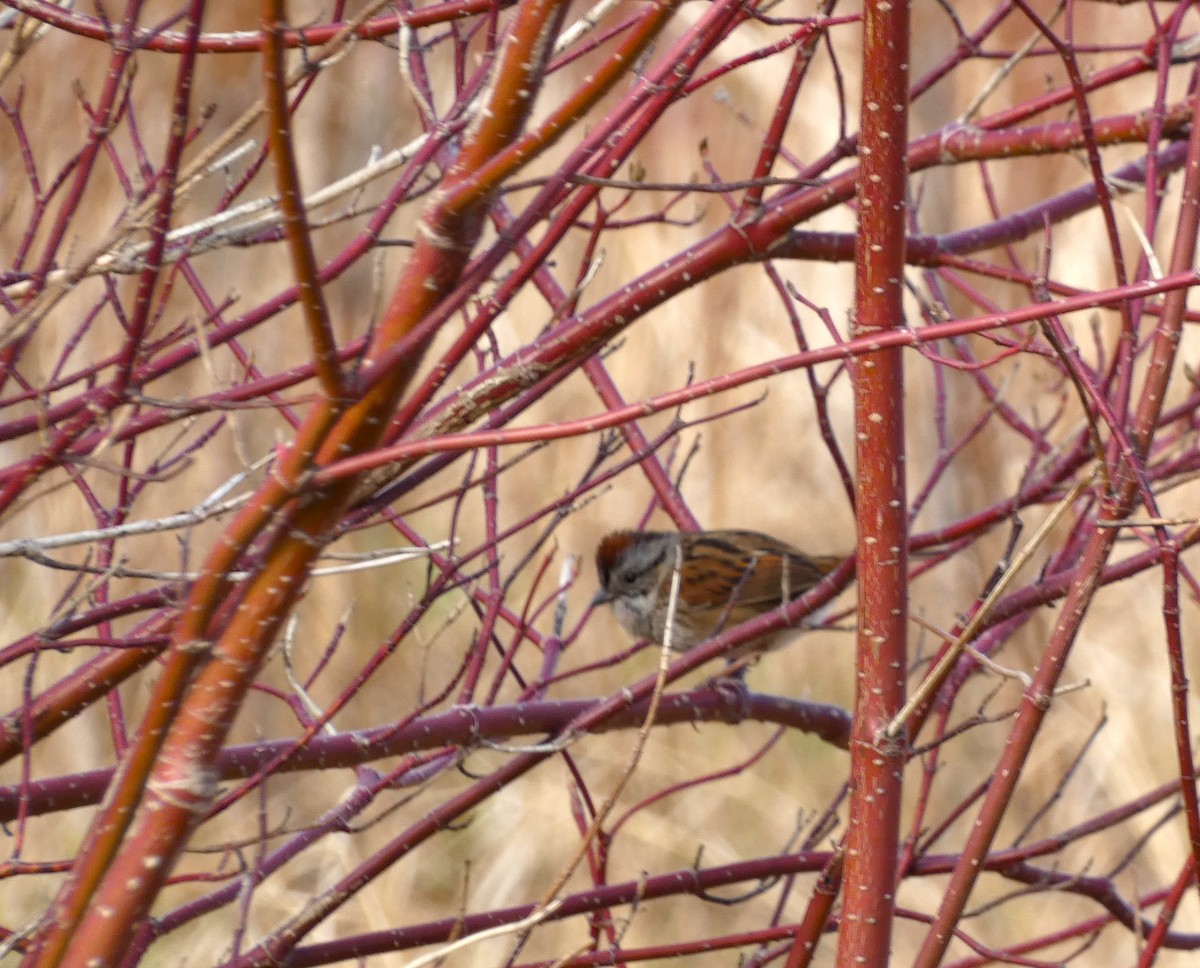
pixel 725 578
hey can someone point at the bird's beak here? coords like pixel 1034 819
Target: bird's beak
pixel 602 597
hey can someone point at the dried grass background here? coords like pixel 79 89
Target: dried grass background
pixel 762 466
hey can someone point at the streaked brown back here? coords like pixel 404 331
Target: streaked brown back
pixel 779 574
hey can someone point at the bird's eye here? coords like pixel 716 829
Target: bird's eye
pixel 628 577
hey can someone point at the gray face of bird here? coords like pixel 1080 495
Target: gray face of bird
pixel 632 567
pixel 632 575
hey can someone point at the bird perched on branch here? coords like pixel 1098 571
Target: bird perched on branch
pixel 725 578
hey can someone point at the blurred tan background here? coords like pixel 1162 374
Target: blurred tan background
pixel 764 467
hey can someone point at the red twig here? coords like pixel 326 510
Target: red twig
pixel 876 760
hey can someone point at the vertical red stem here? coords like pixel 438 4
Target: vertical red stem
pixel 876 766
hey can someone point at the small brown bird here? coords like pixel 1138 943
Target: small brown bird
pixel 725 577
